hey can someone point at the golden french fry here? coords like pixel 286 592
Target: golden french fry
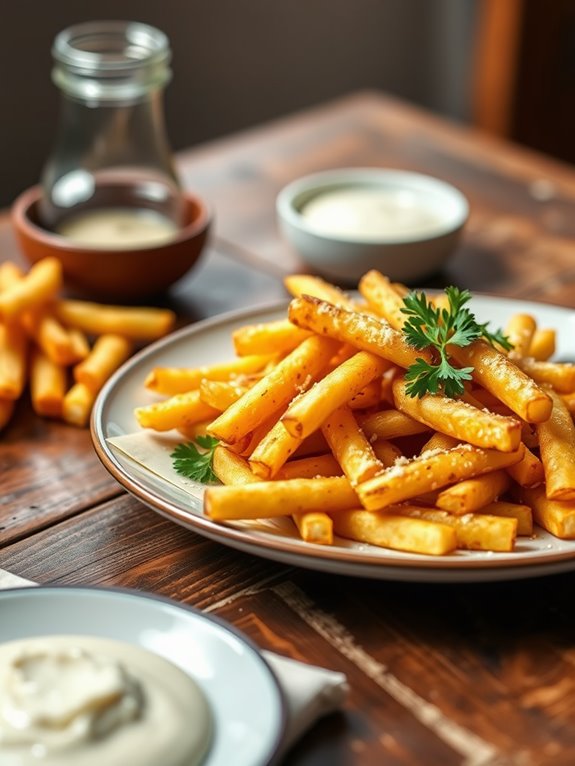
pixel 308 411
pixel 473 494
pixel 557 446
pixel 543 344
pixel 307 284
pixel 279 498
pixel 383 298
pixel 310 468
pixel 279 337
pixel 54 339
pixel 429 471
pixel 559 376
pixel 363 331
pixel 501 377
pixel 10 274
pixel 47 385
pixel 439 441
pixel 395 531
pixel 77 404
pixel 220 394
pixel 315 527
pixel 386 452
pixel 522 513
pixel 231 468
pixel 13 360
pixel 37 287
pixel 459 419
pixel 108 353
pixel 273 451
pixel 528 472
pixel 178 411
pixel 474 531
pixel 519 331
pixel 368 397
pixel 294 374
pixel 179 380
pixel 135 323
pixel 6 411
pixel 390 424
pixel 556 516
pixel 569 401
pixel 80 345
pixel 350 447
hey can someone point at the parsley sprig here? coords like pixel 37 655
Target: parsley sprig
pixel 428 326
pixel 189 461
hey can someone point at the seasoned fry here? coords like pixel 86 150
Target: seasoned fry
pixel 178 380
pixel 310 468
pixel 543 344
pixel 178 411
pixel 13 353
pixel 361 330
pixel 505 380
pixel 37 287
pixel 383 298
pixel 279 498
pixel 519 331
pixel 47 385
pixel 386 452
pixel 528 472
pixel 459 419
pixel 351 449
pixel 395 531
pixel 370 396
pixel 134 323
pixel 557 445
pixel 231 468
pixel 474 531
pixel 390 424
pixel 308 411
pixel 273 451
pixel 306 284
pixel 315 527
pixel 431 471
pixel 556 516
pixel 278 337
pixel 220 394
pixel 472 494
pixel 292 375
pixel 522 513
pixel 77 404
pixel 560 376
pixel 108 353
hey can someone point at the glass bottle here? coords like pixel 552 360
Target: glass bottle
pixel 110 176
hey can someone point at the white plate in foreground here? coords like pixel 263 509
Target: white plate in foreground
pixel 242 692
pixel 209 342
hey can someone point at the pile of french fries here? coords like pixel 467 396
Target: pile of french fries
pixel 64 349
pixel 314 422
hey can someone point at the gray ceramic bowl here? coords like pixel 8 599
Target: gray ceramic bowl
pixel 406 254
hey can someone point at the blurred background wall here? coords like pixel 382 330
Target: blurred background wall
pixel 507 66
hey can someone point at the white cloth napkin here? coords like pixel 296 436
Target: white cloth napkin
pixel 310 692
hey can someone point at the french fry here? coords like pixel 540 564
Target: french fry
pixel 386 452
pixel 108 353
pixel 501 377
pixel 543 344
pixel 370 396
pixel 459 419
pixel 178 411
pixel 519 331
pixel 220 394
pixel 522 513
pixel 557 446
pixel 569 401
pixel 179 380
pixel 279 498
pixel 231 468
pixel 363 331
pixel 79 344
pixel 53 338
pixel 135 323
pixel 528 472
pixel 474 531
pixel 6 411
pixel 351 449
pixel 430 471
pixel 294 374
pixel 13 360
pixel 473 494
pixel 310 468
pixel 306 284
pixel 308 411
pixel 315 527
pixel 395 531
pixel 278 337
pixel 273 451
pixel 77 405
pixel 10 274
pixel 383 298
pixel 556 516
pixel 47 385
pixel 561 377
pixel 37 287
pixel 390 424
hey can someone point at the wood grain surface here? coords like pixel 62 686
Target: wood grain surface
pixel 440 675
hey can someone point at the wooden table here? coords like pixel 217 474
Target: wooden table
pixel 471 674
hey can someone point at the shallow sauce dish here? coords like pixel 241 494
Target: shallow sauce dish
pixel 420 222
pixel 247 705
pixel 210 342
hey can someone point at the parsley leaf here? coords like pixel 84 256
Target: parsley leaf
pixel 189 461
pixel 427 326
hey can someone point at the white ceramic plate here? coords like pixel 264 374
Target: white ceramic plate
pixel 209 342
pixel 243 694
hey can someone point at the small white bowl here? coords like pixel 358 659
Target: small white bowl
pixel 406 249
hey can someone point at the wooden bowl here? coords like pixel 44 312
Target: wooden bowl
pixel 122 275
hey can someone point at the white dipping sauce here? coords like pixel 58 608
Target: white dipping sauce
pixel 117 228
pixel 97 702
pixel 368 213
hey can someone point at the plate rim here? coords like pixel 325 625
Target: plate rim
pixel 276 548
pixel 277 742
